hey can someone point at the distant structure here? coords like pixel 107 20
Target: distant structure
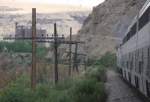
pixel 22 31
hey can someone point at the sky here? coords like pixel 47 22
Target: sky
pixel 51 6
pixel 87 3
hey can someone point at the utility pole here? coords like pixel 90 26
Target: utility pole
pixel 75 58
pixel 56 53
pixel 33 69
pixel 70 50
pixel 85 67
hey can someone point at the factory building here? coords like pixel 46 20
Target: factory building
pixel 26 31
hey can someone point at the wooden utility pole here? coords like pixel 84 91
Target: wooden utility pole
pixel 33 69
pixel 56 53
pixel 85 67
pixel 70 49
pixel 75 58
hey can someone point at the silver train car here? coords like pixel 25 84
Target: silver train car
pixel 133 55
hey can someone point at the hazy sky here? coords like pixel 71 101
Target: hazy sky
pixel 88 3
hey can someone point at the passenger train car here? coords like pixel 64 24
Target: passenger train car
pixel 133 55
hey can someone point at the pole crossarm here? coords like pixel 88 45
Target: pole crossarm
pixel 60 40
pixel 82 54
pixel 63 42
pixel 30 38
pixel 77 63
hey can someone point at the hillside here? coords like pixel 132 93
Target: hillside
pixel 106 25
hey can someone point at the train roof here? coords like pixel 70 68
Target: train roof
pixel 144 8
pixel 141 12
pixel 129 27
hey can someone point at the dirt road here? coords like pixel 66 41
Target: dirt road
pixel 118 90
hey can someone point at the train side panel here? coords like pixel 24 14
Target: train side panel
pixel 134 60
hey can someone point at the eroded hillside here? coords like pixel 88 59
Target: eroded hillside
pixel 106 25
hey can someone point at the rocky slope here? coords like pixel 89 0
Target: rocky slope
pixel 106 25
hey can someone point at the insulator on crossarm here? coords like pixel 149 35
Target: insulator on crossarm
pixel 42 35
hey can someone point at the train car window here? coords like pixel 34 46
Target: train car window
pixel 127 64
pixel 139 62
pixel 122 63
pixel 121 72
pixel 142 62
pixel 133 30
pixel 148 63
pixel 140 67
pixel 144 19
pixel 136 82
pixel 148 88
pixel 128 36
pixel 147 57
pixel 131 33
pixel 129 75
pixel 138 53
pixel 131 62
pixel 136 60
pixel 125 75
pixel 124 39
pixel 131 65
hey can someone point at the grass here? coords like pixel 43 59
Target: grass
pixel 84 88
pixel 87 87
pixel 108 60
pixel 98 73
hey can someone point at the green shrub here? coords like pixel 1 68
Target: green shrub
pixel 90 62
pixel 45 93
pixel 98 73
pixel 22 47
pixel 41 51
pixel 59 96
pixel 16 93
pixel 16 46
pixel 107 60
pixel 88 90
pixel 65 84
pixel 20 91
pixel 42 91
